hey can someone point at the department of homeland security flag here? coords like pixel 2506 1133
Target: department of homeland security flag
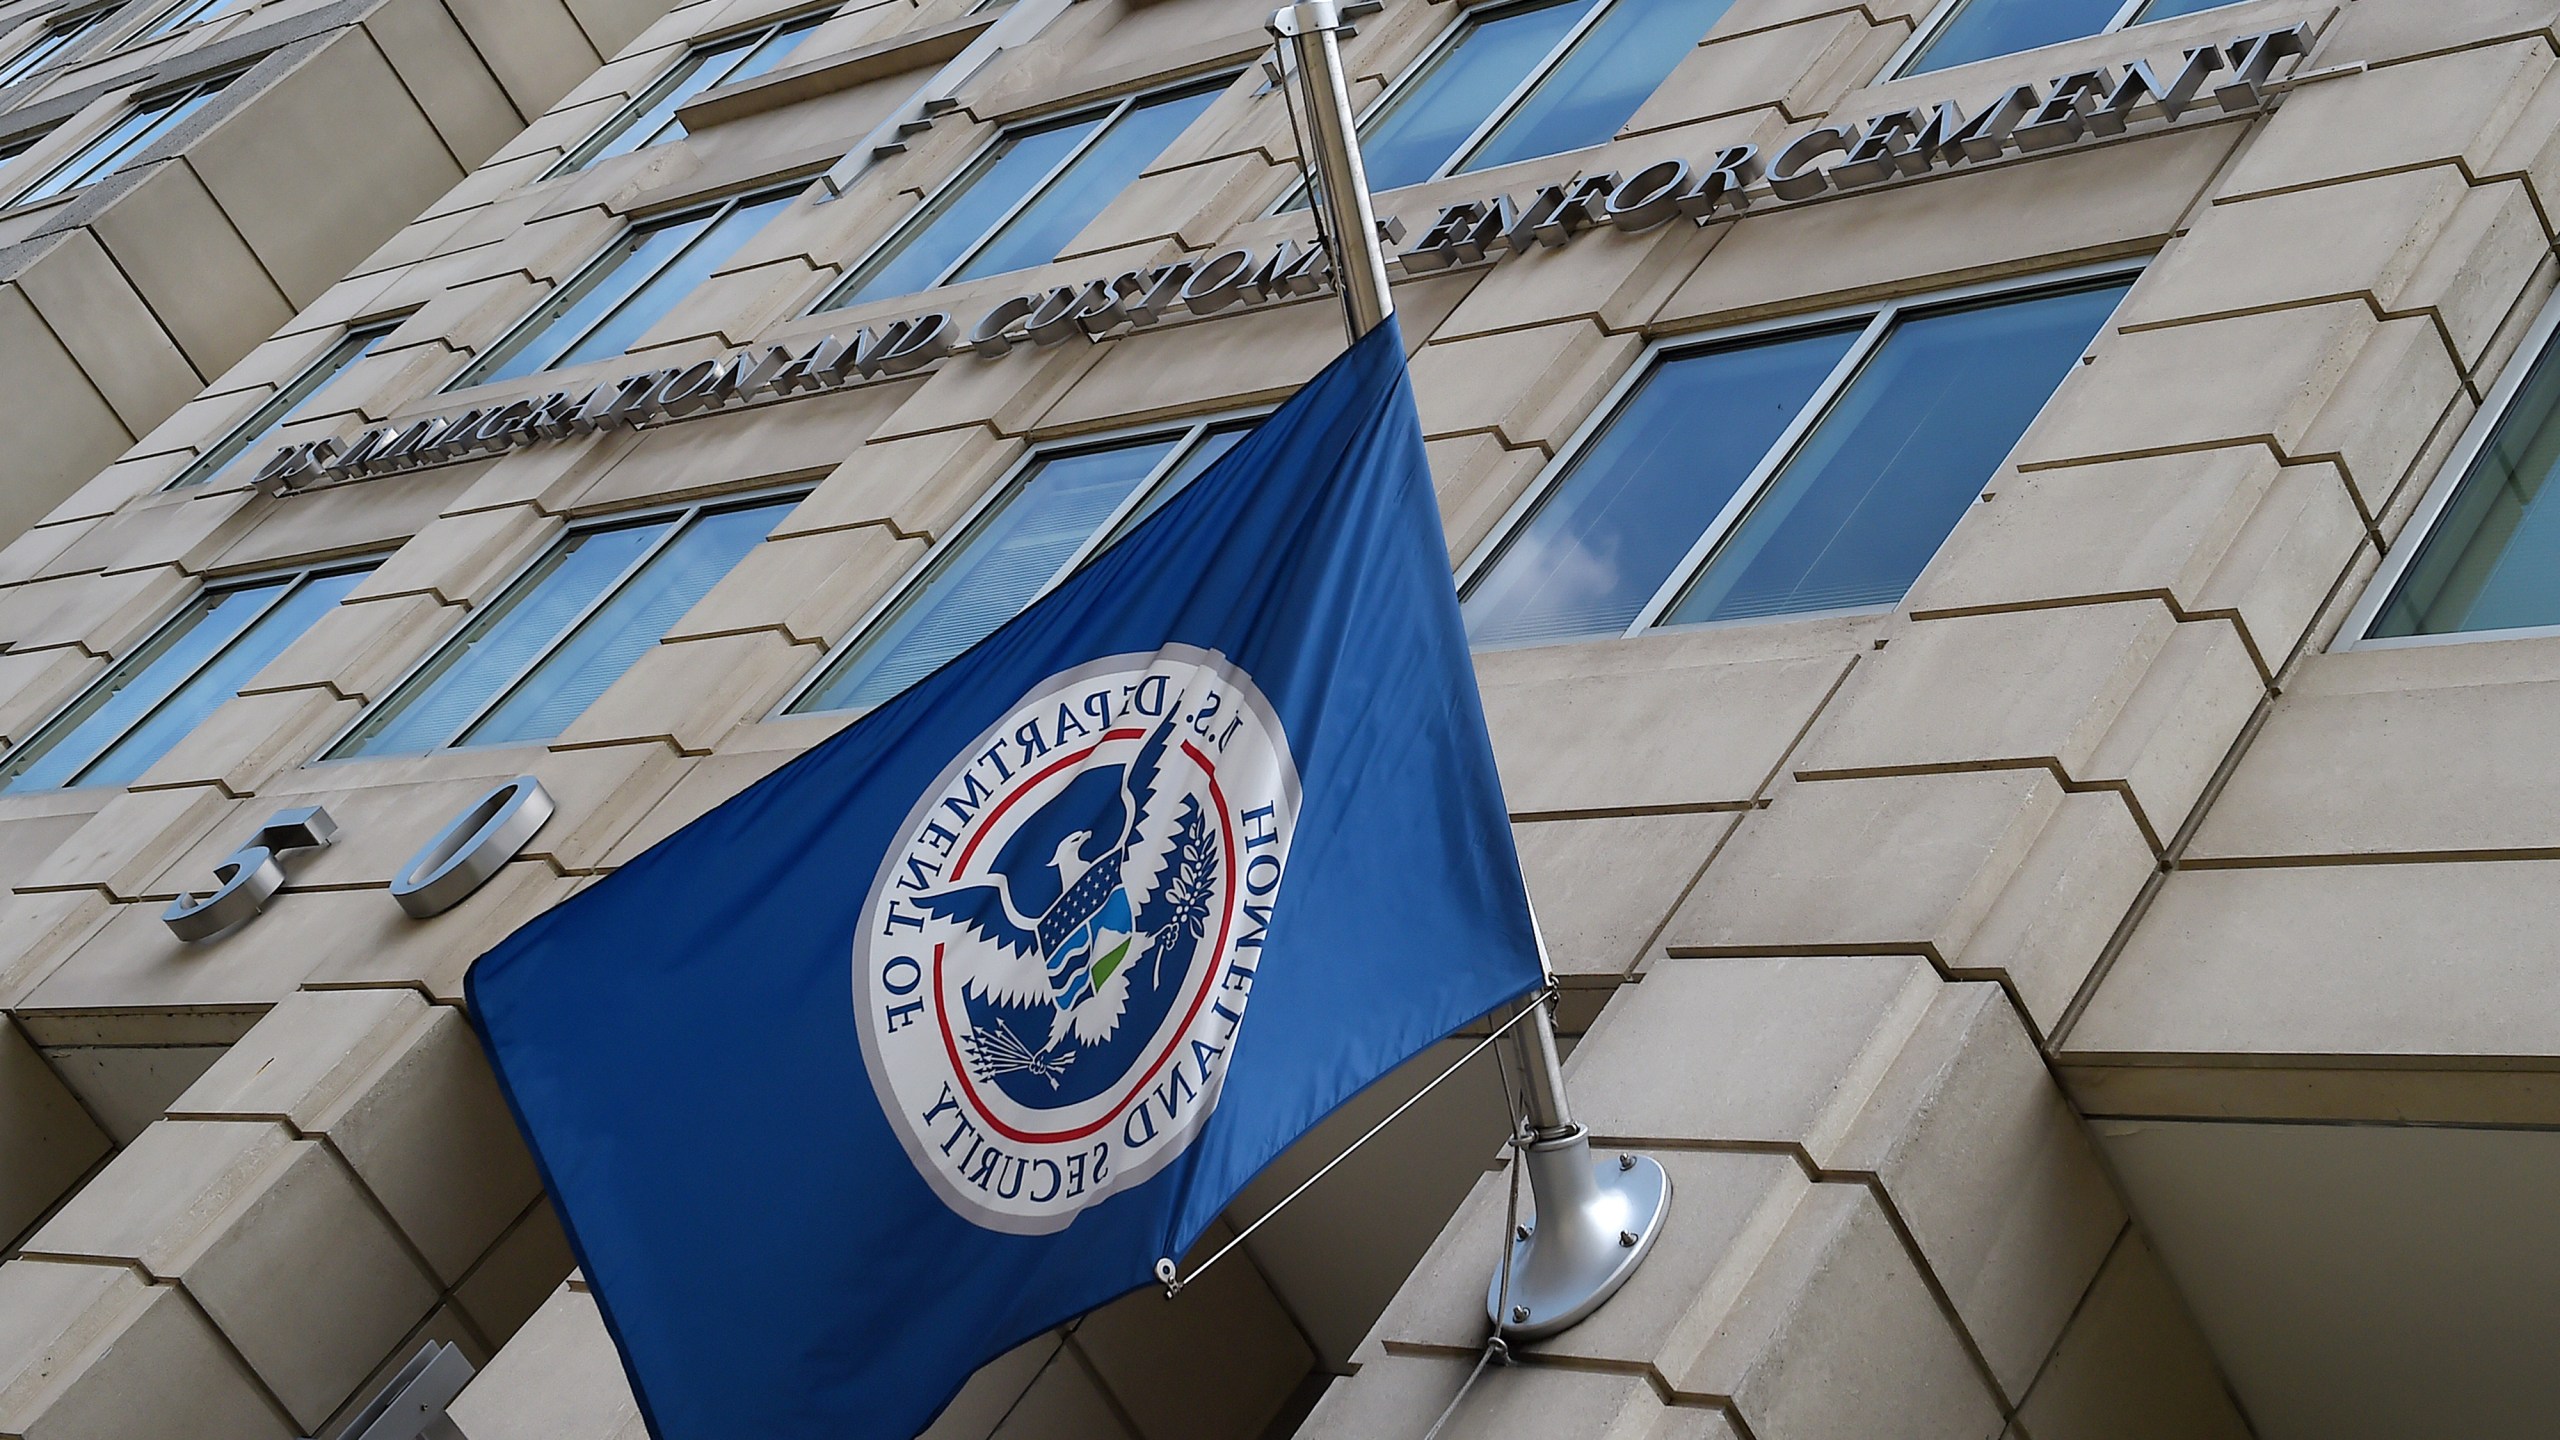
pixel 943 1033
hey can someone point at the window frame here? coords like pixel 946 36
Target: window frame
pixel 531 326
pixel 1880 317
pixel 1927 32
pixel 159 26
pixel 1450 35
pixel 1188 436
pixel 295 576
pixel 1112 112
pixel 178 97
pixel 71 28
pixel 682 516
pixel 2442 490
pixel 277 409
pixel 578 156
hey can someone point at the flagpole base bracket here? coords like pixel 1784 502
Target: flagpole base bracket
pixel 1596 1219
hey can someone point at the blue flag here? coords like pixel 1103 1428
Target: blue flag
pixel 945 1032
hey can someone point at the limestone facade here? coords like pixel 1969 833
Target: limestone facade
pixel 139 261
pixel 2092 991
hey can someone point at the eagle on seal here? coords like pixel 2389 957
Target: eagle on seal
pixel 1077 955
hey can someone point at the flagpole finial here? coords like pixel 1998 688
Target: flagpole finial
pixel 1311 30
pixel 1596 1219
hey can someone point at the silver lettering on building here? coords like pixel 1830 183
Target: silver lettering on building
pixel 250 876
pixel 471 850
pixel 2097 103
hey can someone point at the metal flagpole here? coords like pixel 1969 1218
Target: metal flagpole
pixel 1312 30
pixel 1595 1220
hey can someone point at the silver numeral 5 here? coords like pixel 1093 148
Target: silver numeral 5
pixel 251 876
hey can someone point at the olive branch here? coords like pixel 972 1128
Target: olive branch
pixel 1185 898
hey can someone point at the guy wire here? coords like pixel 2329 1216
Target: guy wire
pixel 1497 1351
pixel 1169 1275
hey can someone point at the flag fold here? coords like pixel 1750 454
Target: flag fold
pixel 944 1032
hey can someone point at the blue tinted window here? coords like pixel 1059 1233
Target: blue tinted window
pixel 1607 537
pixel 2163 9
pixel 1040 230
pixel 608 642
pixel 2493 559
pixel 1875 489
pixel 1602 81
pixel 1005 560
pixel 1408 141
pixel 1021 202
pixel 629 288
pixel 1984 28
pixel 1015 550
pixel 1583 91
pixel 621 327
pixel 943 231
pixel 600 289
pixel 284 407
pixel 533 660
pixel 55 40
pixel 156 696
pixel 1860 488
pixel 1209 450
pixel 188 12
pixel 122 141
pixel 501 642
pixel 651 118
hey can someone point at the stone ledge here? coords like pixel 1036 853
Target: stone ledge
pixel 2359 1089
pixel 792 84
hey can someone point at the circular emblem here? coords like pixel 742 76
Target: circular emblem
pixel 1056 955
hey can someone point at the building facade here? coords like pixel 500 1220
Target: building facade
pixel 179 177
pixel 2015 586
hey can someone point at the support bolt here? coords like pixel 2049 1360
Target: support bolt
pixel 1626 1162
pixel 1519 1314
pixel 1520 1232
pixel 1627 1238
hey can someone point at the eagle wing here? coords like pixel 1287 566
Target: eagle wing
pixel 1008 969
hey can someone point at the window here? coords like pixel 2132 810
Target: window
pixel 2490 559
pixel 154 697
pixel 285 406
pixel 533 660
pixel 184 14
pixel 1027 195
pixel 1059 507
pixel 650 118
pixel 1514 82
pixel 1964 31
pixel 609 305
pixel 57 38
pixel 122 141
pixel 1785 472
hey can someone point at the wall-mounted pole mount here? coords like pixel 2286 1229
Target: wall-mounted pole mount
pixel 1312 31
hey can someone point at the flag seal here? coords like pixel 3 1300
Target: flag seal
pixel 1054 960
